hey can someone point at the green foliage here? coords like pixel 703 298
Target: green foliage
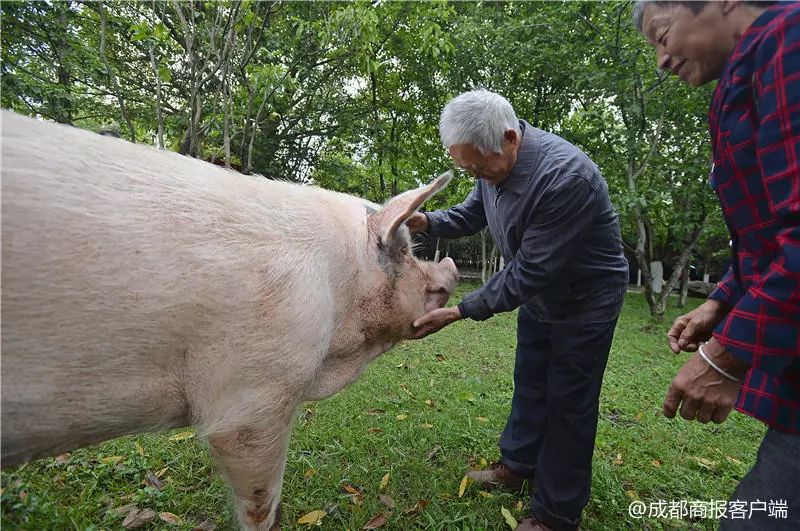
pixel 348 95
pixel 454 389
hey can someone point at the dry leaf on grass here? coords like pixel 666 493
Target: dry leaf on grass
pixel 138 518
pixel 122 509
pixel 434 452
pixel 510 520
pixel 161 472
pixel 62 458
pixel 384 482
pixel 386 500
pixel 111 460
pixel 150 480
pixel 182 436
pixel 463 486
pixel 139 448
pixel 416 508
pixel 401 416
pixel 312 518
pixel 376 521
pixel 486 494
pixel 170 518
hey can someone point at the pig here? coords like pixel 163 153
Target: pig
pixel 143 290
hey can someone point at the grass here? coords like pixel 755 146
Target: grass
pixel 447 395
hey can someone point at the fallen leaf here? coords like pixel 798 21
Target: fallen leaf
pixel 123 509
pixel 376 521
pixel 426 426
pixel 416 508
pixel 309 473
pixel 112 460
pixel 485 494
pixel 632 495
pixel 466 395
pixel 519 505
pixel 169 518
pixel 374 430
pixel 150 480
pixel 376 411
pixel 62 458
pixel 139 448
pixel 138 517
pixel 350 489
pixel 618 460
pixel 312 518
pixel 463 486
pixel 182 436
pixel 386 500
pixel 161 472
pixel 434 452
pixel 207 525
pixel 481 419
pixel 429 403
pixel 708 464
pixel 656 463
pixel 483 462
pixel 401 417
pixel 733 460
pixel 384 482
pixel 510 520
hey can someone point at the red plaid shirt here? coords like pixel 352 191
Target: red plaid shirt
pixel 755 129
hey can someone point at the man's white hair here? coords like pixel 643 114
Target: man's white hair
pixel 478 117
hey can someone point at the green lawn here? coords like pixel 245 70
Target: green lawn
pixel 422 414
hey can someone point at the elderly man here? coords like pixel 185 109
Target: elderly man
pixel 752 321
pixel 548 210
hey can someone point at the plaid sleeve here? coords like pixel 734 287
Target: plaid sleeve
pixel 727 289
pixel 763 328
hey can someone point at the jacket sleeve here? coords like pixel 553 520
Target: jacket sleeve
pixel 763 328
pixel 461 220
pixel 727 289
pixel 549 241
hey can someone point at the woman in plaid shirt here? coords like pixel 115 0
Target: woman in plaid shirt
pixel 751 322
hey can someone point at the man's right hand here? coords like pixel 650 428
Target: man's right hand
pixel 690 329
pixel 418 222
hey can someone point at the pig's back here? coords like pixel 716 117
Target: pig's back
pixel 119 261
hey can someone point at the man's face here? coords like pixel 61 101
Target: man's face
pixel 694 47
pixel 494 167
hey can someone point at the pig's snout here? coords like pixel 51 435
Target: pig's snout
pixel 443 282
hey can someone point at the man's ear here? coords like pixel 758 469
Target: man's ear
pixel 511 136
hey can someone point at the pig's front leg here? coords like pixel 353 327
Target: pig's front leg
pixel 253 457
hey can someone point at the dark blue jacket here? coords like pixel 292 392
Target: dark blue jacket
pixel 554 225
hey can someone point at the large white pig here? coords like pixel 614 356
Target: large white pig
pixel 143 290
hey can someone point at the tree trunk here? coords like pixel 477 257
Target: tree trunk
pixel 684 288
pixel 159 112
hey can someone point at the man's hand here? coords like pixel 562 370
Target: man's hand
pixel 701 392
pixel 435 320
pixel 418 222
pixel 690 329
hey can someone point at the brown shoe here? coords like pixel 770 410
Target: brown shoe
pixel 498 475
pixel 532 524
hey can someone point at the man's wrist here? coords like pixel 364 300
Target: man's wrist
pixel 725 360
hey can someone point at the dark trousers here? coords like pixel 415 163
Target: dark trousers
pixel 773 484
pixel 553 421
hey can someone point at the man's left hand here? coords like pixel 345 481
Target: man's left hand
pixel 435 320
pixel 701 392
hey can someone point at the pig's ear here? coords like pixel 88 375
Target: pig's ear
pixel 400 208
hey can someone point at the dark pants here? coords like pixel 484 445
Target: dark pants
pixel 773 482
pixel 553 421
